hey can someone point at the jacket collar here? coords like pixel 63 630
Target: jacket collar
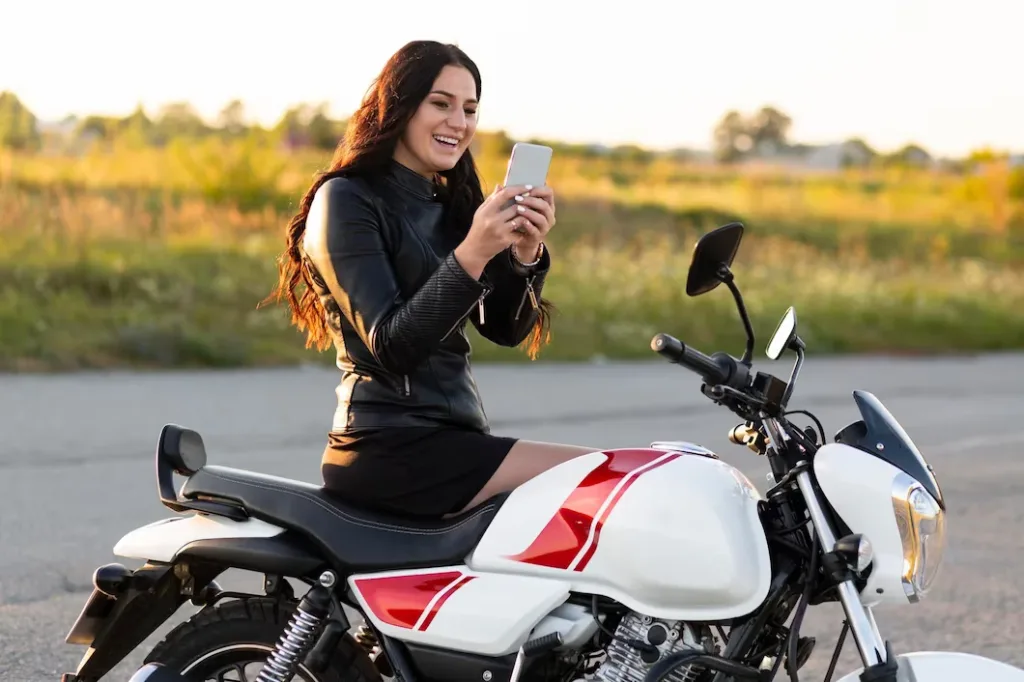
pixel 411 181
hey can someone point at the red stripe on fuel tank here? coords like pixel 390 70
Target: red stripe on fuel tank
pixel 563 542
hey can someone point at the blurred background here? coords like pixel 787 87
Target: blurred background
pixel 152 154
pixel 151 157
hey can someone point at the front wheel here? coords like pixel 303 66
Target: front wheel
pixel 231 641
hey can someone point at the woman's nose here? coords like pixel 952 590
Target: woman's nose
pixel 457 121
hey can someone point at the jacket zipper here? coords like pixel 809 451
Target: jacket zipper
pixel 408 389
pixel 479 303
pixel 529 293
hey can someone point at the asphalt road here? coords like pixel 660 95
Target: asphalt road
pixel 76 473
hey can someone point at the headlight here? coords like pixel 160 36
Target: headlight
pixel 922 527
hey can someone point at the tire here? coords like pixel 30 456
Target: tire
pixel 242 632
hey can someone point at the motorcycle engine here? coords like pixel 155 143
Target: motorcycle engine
pixel 626 663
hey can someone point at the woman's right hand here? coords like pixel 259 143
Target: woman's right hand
pixel 492 231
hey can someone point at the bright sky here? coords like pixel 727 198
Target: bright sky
pixel 941 73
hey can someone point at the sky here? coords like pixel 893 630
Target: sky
pixel 658 73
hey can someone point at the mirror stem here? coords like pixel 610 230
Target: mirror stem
pixel 792 377
pixel 725 275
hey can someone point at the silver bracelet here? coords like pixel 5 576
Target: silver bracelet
pixel 540 254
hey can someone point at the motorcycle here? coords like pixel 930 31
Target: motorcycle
pixel 629 565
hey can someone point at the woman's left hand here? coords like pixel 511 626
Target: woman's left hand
pixel 536 217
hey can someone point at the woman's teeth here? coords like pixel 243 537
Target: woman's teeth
pixel 450 141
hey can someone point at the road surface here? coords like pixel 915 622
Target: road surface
pixel 76 473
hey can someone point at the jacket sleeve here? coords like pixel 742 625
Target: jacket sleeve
pixel 509 309
pixel 343 241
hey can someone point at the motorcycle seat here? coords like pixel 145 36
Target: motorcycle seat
pixel 356 538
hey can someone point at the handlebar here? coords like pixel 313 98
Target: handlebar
pixel 716 369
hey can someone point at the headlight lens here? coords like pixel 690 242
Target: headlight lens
pixel 922 525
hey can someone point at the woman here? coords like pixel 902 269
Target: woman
pixel 397 248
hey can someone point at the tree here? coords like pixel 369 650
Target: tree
pixel 136 128
pixel 910 156
pixel 17 124
pixel 102 127
pixel 232 118
pixel 323 132
pixel 736 135
pixel 769 129
pixel 292 127
pixel 857 152
pixel 306 124
pixel 731 138
pixel 178 119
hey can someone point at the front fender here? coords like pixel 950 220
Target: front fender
pixel 948 666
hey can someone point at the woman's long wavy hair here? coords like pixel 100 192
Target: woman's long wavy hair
pixel 367 149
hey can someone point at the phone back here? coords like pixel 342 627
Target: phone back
pixel 528 165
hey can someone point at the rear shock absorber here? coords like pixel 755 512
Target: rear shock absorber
pixel 300 634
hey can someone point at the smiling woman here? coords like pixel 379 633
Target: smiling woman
pixel 442 129
pixel 397 248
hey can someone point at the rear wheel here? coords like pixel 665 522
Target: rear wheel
pixel 231 641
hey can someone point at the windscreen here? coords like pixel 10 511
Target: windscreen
pixel 880 434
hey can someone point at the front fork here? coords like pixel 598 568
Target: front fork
pixel 870 645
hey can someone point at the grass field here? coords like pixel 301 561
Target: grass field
pixel 157 258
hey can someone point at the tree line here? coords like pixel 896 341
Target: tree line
pixel 303 125
pixel 737 137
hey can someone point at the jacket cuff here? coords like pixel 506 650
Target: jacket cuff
pixel 459 275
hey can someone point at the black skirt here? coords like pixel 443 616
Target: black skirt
pixel 412 471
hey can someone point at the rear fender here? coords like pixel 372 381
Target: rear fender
pixel 948 666
pixel 163 540
pixel 112 625
pixel 184 554
pixel 250 545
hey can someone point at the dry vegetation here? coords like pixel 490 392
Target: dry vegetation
pixel 158 256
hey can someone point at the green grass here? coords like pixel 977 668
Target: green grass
pixel 138 305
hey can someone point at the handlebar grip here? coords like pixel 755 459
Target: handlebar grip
pixel 668 347
pixel 678 352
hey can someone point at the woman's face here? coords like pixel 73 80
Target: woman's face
pixel 443 125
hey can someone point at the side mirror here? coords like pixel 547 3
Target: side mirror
pixel 713 250
pixel 785 336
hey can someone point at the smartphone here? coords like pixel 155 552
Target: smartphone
pixel 528 165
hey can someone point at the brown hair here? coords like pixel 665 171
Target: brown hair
pixel 367 149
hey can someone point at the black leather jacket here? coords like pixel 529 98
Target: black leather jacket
pixel 397 302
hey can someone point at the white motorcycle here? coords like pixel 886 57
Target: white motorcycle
pixel 632 565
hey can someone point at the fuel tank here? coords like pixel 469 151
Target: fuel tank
pixel 669 532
